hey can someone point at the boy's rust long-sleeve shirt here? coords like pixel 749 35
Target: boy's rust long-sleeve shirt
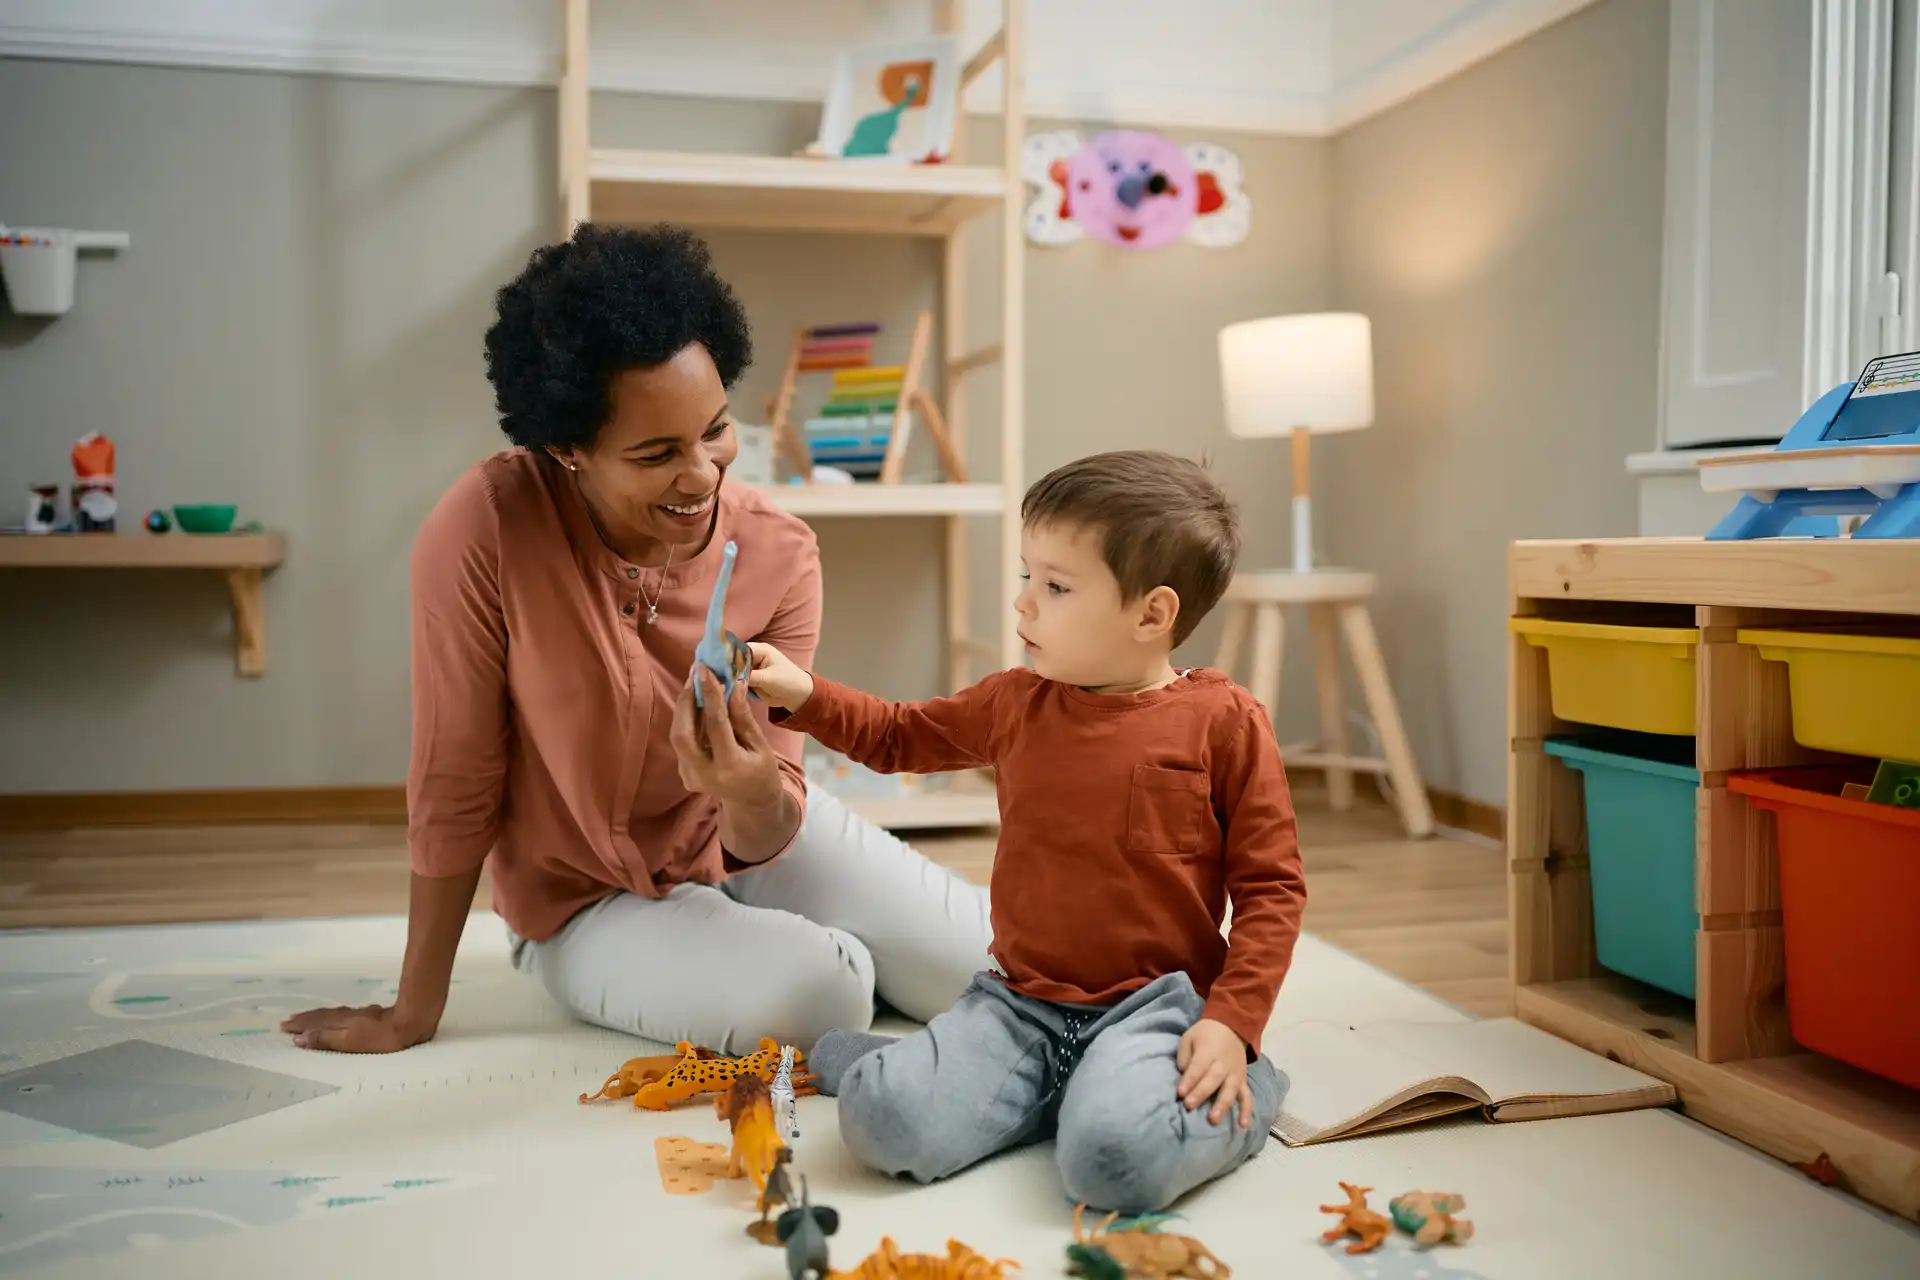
pixel 1127 822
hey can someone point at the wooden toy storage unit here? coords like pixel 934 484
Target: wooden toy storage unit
pixel 1729 1052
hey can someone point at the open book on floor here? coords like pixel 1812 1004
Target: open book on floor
pixel 1347 1081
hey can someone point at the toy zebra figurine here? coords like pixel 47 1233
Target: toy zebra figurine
pixel 785 1111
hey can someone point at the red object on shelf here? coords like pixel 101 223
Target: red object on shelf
pixel 1850 902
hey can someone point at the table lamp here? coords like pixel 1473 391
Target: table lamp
pixel 1296 376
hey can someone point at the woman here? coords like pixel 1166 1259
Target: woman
pixel 664 870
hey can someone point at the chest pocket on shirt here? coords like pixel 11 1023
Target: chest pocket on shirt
pixel 1168 810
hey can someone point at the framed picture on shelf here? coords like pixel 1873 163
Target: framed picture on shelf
pixel 894 102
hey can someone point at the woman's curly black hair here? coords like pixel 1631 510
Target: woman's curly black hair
pixel 608 299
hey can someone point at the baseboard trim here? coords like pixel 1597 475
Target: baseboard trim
pixel 56 811
pixel 1463 813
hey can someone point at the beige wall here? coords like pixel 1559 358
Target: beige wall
pixel 297 328
pixel 1503 230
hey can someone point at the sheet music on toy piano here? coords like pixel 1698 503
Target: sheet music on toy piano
pixel 1877 407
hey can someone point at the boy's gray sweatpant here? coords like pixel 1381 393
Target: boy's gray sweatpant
pixel 999 1070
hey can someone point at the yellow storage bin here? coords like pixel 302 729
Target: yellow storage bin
pixel 1858 694
pixel 1617 677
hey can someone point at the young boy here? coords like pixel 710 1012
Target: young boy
pixel 1135 800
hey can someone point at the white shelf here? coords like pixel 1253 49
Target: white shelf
pixel 827 500
pixel 789 193
pixel 965 800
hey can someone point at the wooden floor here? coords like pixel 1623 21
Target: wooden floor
pixel 1430 911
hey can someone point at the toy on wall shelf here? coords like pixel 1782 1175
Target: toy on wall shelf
pixel 959 1263
pixel 158 521
pixel 93 503
pixel 699 1071
pixel 720 651
pixel 1428 1216
pixel 804 1229
pixel 1133 190
pixel 867 419
pixel 43 508
pixel 1138 1251
pixel 749 1114
pixel 1367 1228
pixel 1856 451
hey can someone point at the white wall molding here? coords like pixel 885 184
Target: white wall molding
pixel 1426 55
pixel 1307 67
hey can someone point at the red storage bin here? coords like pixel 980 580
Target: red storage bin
pixel 1850 899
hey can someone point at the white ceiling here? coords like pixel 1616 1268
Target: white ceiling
pixel 1287 66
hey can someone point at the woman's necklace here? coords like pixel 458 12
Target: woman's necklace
pixel 653 605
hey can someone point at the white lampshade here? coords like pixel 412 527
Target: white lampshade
pixel 1286 372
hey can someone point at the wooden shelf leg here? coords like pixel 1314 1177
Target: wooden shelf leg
pixel 1269 647
pixel 1325 623
pixel 1409 793
pixel 249 622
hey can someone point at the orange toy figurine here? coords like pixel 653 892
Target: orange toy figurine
pixel 1367 1227
pixel 636 1073
pixel 1140 1250
pixel 959 1263
pixel 748 1107
pixel 698 1071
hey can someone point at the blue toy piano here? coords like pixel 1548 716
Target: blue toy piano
pixel 1855 452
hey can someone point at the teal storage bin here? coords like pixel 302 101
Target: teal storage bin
pixel 1640 852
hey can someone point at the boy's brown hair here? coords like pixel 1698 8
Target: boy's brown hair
pixel 1162 521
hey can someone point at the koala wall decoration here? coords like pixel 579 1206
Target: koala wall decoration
pixel 1133 190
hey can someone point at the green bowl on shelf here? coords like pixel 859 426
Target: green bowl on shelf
pixel 204 517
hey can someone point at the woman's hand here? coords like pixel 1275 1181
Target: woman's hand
pixel 776 679
pixel 721 750
pixel 373 1028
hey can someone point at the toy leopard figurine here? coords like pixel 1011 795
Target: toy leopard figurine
pixel 699 1072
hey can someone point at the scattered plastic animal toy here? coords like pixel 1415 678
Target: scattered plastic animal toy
pixel 778 1191
pixel 1368 1228
pixel 1138 1250
pixel 804 1229
pixel 700 1071
pixel 744 1106
pixel 960 1263
pixel 636 1073
pixel 719 650
pixel 1428 1217
pixel 786 1117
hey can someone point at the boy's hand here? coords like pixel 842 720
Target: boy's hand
pixel 776 679
pixel 1213 1064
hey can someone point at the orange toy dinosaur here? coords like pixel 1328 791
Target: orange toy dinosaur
pixel 959 1263
pixel 699 1071
pixel 636 1073
pixel 1368 1228
pixel 747 1106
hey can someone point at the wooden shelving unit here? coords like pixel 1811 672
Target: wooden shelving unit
pixel 241 558
pixel 790 193
pixel 1729 1052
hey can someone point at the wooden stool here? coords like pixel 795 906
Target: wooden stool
pixel 1336 603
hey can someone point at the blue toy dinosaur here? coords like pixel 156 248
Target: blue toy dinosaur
pixel 719 650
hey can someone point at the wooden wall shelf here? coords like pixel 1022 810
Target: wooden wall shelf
pixel 241 558
pixel 1730 1052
